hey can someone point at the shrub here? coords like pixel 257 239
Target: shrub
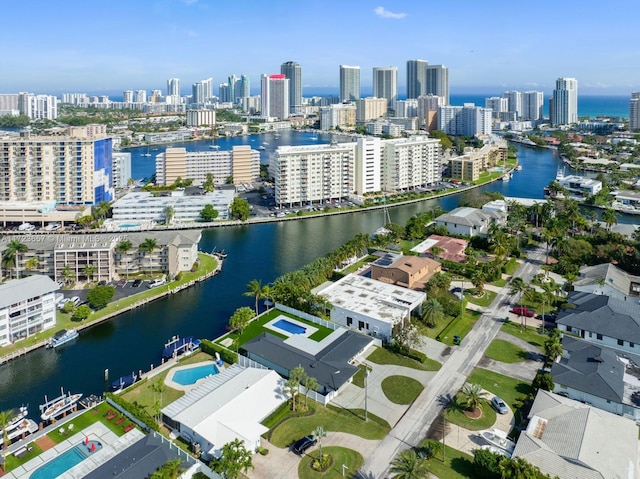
pixel 263 451
pixel 486 464
pixel 135 410
pixel 212 348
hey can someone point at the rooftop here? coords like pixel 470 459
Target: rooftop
pixel 17 290
pixel 469 216
pixel 454 248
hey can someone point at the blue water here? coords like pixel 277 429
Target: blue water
pixel 65 461
pixel 289 327
pixel 129 226
pixel 187 377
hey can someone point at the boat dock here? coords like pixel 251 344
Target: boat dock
pixel 54 408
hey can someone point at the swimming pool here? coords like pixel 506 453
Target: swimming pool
pixel 128 226
pixel 289 327
pixel 66 460
pixel 186 377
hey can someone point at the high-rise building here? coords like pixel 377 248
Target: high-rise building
pixel 293 72
pixel 68 170
pixel 38 107
pixel 466 120
pixel 127 96
pixel 370 108
pixel 368 165
pixel 497 105
pixel 532 105
pixel 514 105
pixel 140 96
pixel 274 96
pixel 121 169
pixel 349 83
pixel 634 112
pixel 409 163
pixel 339 115
pixel 173 87
pixel 242 88
pixel 385 84
pixel 428 110
pixel 416 78
pixel 565 102
pixel 224 93
pixel 438 81
pixel 202 91
pixel 406 108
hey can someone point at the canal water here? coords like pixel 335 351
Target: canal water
pixel 134 340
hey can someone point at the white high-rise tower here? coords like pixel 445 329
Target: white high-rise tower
pixel 565 102
pixel 349 83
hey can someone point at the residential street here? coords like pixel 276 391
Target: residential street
pixel 415 424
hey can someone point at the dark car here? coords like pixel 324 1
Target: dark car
pixel 522 311
pixel 137 283
pixel 549 318
pixel 301 445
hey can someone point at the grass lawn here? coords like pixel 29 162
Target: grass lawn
pixel 458 417
pixel 499 283
pixel 529 334
pixel 484 300
pixel 460 326
pixel 401 389
pixel 357 265
pixel 511 266
pixel 505 352
pixel 143 394
pixel 331 418
pixel 384 356
pixel 456 465
pixel 509 389
pixel 358 378
pixel 12 462
pixel 340 455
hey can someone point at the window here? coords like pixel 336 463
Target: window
pixel 599 337
pixel 620 342
pixel 349 321
pixel 569 329
pixel 631 345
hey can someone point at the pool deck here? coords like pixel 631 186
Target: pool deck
pixel 186 388
pixel 309 330
pixel 111 446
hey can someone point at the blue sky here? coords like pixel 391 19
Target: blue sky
pixel 489 45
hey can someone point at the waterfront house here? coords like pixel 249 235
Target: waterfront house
pixel 411 272
pixel 468 221
pixel 578 185
pixel 452 249
pixel 609 280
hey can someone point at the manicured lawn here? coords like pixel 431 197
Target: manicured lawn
pixel 457 416
pixel 12 462
pixel 505 352
pixel 529 334
pixel 384 356
pixel 401 389
pixel 341 456
pixel 460 326
pixel 456 465
pixel 143 394
pixel 499 282
pixel 331 418
pixel 484 300
pixel 357 265
pixel 358 378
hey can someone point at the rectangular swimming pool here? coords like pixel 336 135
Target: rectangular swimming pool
pixel 289 327
pixel 65 461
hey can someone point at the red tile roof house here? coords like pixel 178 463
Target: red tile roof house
pixel 452 249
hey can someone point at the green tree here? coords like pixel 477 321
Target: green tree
pixel 310 384
pixel 123 248
pixel 68 274
pixel 100 296
pixel 32 263
pixel 609 217
pixel 254 289
pixel 473 396
pixel 407 465
pixel 5 419
pixel 148 246
pixel 553 346
pixel 209 183
pixel 235 458
pixel 432 312
pixel 241 318
pixel 291 389
pixel 169 213
pixel 240 209
pixel 88 271
pixel 208 213
pixel 169 470
pixel 518 288
pixel 445 141
pixel 486 464
pixel 11 254
pixel 81 313
pixel 319 433
pixel 543 380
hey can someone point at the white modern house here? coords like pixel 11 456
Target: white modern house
pixel 468 221
pixel 609 280
pixel 370 306
pixel 578 185
pixel 27 306
pixel 227 406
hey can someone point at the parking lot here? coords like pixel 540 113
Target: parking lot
pixel 123 288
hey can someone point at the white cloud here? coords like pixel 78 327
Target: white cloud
pixel 384 13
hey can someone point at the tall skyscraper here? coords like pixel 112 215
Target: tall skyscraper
pixel 274 96
pixel 385 84
pixel 202 91
pixel 514 99
pixel 127 96
pixel 173 87
pixel 416 78
pixel 242 88
pixel 438 81
pixel 349 83
pixel 224 93
pixel 532 105
pixel 293 71
pixel 233 80
pixel 565 102
pixel 634 112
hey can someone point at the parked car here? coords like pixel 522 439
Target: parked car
pixel 301 445
pixel 121 283
pixel 522 311
pixel 137 283
pixel 499 405
pixel 549 318
pixel 75 300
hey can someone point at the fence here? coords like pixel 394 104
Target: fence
pixel 309 317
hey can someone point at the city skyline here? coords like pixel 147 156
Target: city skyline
pixel 142 44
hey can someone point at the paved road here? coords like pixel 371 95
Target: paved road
pixel 415 424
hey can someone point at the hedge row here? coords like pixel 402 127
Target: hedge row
pixel 135 410
pixel 212 348
pixel 408 352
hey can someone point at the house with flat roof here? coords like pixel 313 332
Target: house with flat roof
pixel 370 306
pixel 603 320
pixel 331 361
pixel 571 440
pixel 411 272
pixel 452 249
pixel 27 306
pixel 609 280
pixel 603 377
pixel 227 406
pixel 468 221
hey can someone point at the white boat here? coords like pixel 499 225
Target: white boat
pixel 56 407
pixel 506 177
pixel 61 337
pixel 519 168
pixel 313 138
pixel 18 429
pixel 261 148
pixel 498 438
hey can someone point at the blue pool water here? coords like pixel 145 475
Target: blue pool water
pixel 187 377
pixel 289 327
pixel 65 461
pixel 127 226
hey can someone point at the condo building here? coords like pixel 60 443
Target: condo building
pixel 409 163
pixel 241 163
pixel 368 168
pixel 293 72
pixel 121 171
pixel 385 84
pixel 428 111
pixel 339 115
pixel 274 96
pixel 349 83
pixel 466 120
pixel 416 78
pixel 532 105
pixel 438 82
pixel 634 112
pixel 370 108
pixel 201 117
pixel 564 106
pixel 514 103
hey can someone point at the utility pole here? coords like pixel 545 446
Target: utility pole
pixel 444 432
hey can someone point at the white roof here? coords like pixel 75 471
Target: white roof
pixel 378 300
pixel 18 290
pixel 144 199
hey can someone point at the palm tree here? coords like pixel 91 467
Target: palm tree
pixel 169 470
pixel 32 263
pixel 517 468
pixel 169 213
pixel 432 312
pixel 5 419
pixel 310 384
pixel 254 288
pixel 473 396
pixel 518 287
pixel 478 279
pixel 11 253
pixel 68 274
pixel 407 465
pixel 149 245
pixel 319 433
pixel 553 346
pixel 267 294
pixel 89 271
pixel 609 217
pixel 291 388
pixel 123 248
